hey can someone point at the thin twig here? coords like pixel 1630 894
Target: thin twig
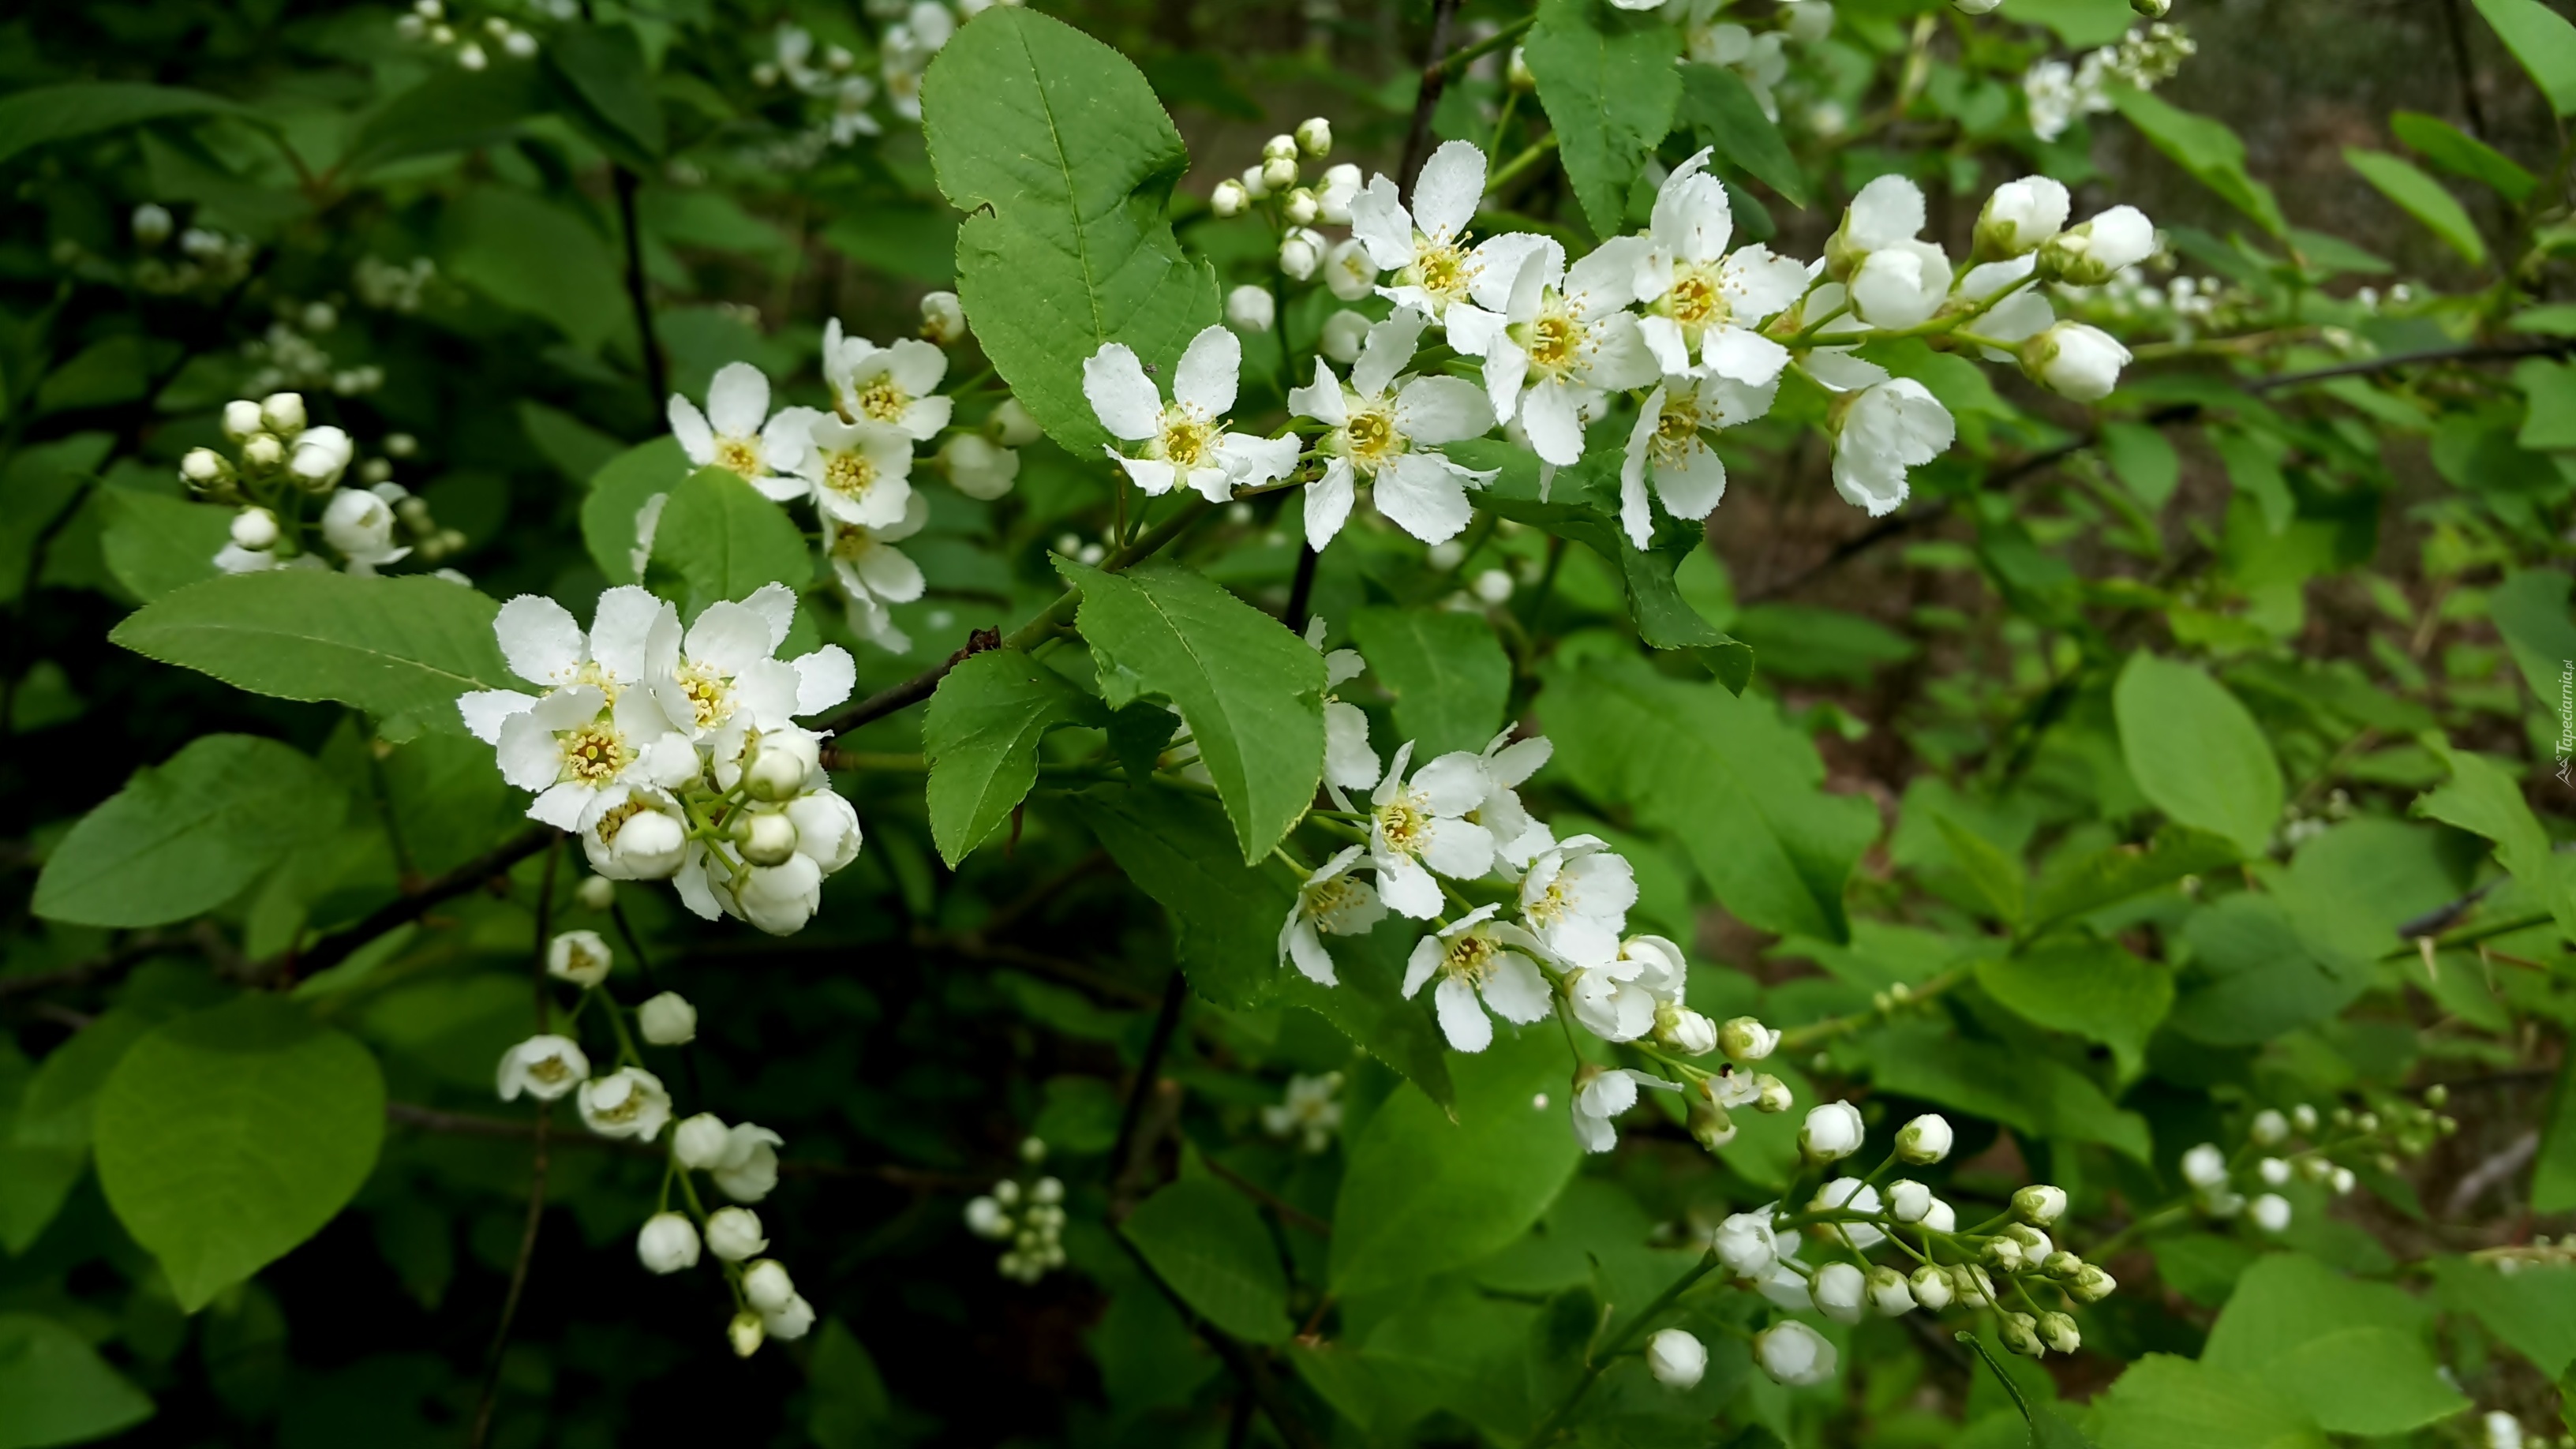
pixel 537 1169
pixel 1289 1212
pixel 132 949
pixel 657 373
pixel 1247 1365
pixel 1426 96
pixel 1175 993
pixel 331 950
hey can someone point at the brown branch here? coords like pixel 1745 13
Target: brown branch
pixel 518 1281
pixel 337 947
pixel 1288 1211
pixel 127 953
pixel 1426 96
pixel 657 373
pixel 1127 1154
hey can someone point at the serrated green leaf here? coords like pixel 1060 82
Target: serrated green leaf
pixel 2109 877
pixel 1722 108
pixel 2421 197
pixel 187 835
pixel 1062 158
pixel 1225 915
pixel 2352 1353
pixel 2532 1309
pixel 1446 671
pixel 2143 459
pixel 532 255
pixel 454 110
pixel 2164 1402
pixel 2207 149
pixel 59 113
pixel 155 543
pixel 228 1136
pixel 1996 876
pixel 1208 1243
pixel 1251 692
pixel 1607 80
pixel 1364 1004
pixel 2462 154
pixel 603 66
pixel 389 646
pixel 618 492
pixel 725 539
pixel 2254 468
pixel 2543 41
pixel 55 1390
pixel 2195 751
pixel 981 733
pixel 2485 801
pixel 2091 988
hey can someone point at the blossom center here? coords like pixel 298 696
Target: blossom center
pixel 1444 271
pixel 1676 432
pixel 710 694
pixel 1187 439
pixel 615 820
pixel 1373 437
pixel 549 1070
pixel 1327 901
pixel 851 542
pixel 738 455
pixel 1696 300
pixel 849 474
pixel 626 1109
pixel 1404 824
pixel 1550 908
pixel 594 754
pixel 1470 958
pixel 882 401
pixel 1555 339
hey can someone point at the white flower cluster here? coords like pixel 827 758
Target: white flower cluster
pixel 428 23
pixel 393 286
pixel 287 356
pixel 207 258
pixel 855 462
pixel 2015 1264
pixel 1029 1217
pixel 1311 1112
pixel 2270 1157
pixel 286 481
pixel 1760 57
pixel 673 753
pixel 1696 332
pixel 2056 93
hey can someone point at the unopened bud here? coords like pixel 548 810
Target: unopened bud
pixel 282 413
pixel 766 837
pixel 2035 1245
pixel 1033 1150
pixel 1925 1140
pixel 1709 1124
pixel 1279 173
pixel 241 419
pixel 151 224
pixel 778 772
pixel 2091 1285
pixel 943 317
pixel 1302 207
pixel 2058 1332
pixel 263 453
pixel 767 1285
pixel 1012 425
pixel 1685 1030
pixel 1255 186
pixel 2004 1253
pixel 1746 1039
pixel 667 1019
pixel 1771 1095
pixel 2437 1095
pixel 1517 74
pixel 2061 1264
pixel 2039 1204
pixel 745 1333
pixel 1282 147
pixel 255 529
pixel 1889 1292
pixel 1229 198
pixel 204 468
pixel 2021 1335
pixel 1931 1287
pixel 1315 137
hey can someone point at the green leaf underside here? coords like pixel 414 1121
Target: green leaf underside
pixel 981 732
pixel 187 835
pixel 726 540
pixel 1177 848
pixel 1207 1241
pixel 1607 80
pixel 60 113
pixel 1446 670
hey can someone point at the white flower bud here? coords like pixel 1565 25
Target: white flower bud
pixel 767 1285
pixel 2039 1204
pixel 2062 1265
pixel 943 317
pixel 1013 426
pixel 2021 1335
pixel 667 1019
pixel 596 892
pixel 579 957
pixel 2035 1245
pixel 1746 1244
pixel 749 1170
pixel 544 1067
pixel 1517 73
pixel 1344 331
pixel 628 1102
pixel 320 457
pixel 1229 198
pixel 1924 1141
pixel 978 467
pixel 204 468
pixel 2005 1253
pixel 780 769
pixel 1794 1354
pixel 2093 253
pixel 1282 147
pixel 2304 1117
pixel 1250 309
pixel 1889 1293
pixel 1349 274
pixel 745 1333
pixel 2341 1181
pixel 2271 1212
pixel 1047 1190
pixel 1931 1288
pixel 733 1234
pixel 2058 1332
pixel 2273 1171
pixel 1831 1132
pixel 1278 173
pixel 1341 186
pixel 1771 1095
pixel 282 413
pixel 1908 1200
pixel 1709 1124
pixel 1841 1292
pixel 985 1219
pixel 1685 1031
pixel 2075 360
pixel 1315 137
pixel 1301 207
pixel 1856 1196
pixel 1033 1150
pixel 1787 1288
pixel 667 1244
pixel 1675 1358
pixel 2020 215
pixel 1301 251
pixel 1975 7
pixel 2205 1166
pixel 1746 1039
pixel 2091 1284
pixel 254 528
pixel 765 837
pixel 470 56
pixel 791 1320
pixel 151 224
pixel 2270 1128
pixel 641 844
pixel 2152 9
pixel 263 453
pixel 1808 21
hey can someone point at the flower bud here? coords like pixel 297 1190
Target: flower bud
pixel 1808 21
pixel 667 1019
pixel 1685 1030
pixel 1710 1127
pixel 2152 9
pixel 2004 1253
pixel 2039 1204
pixel 579 957
pixel 204 469
pixel 544 1067
pixel 2020 215
pixel 2021 1335
pixel 1675 1358
pixel 1746 1244
pixel 1250 309
pixel 699 1143
pixel 943 318
pixel 320 457
pixel 263 453
pixel 1341 186
pixel 2205 1166
pixel 254 528
pixel 1315 137
pixel 151 224
pixel 1229 198
pixel 1931 1288
pixel 2341 1181
pixel 1908 1200
pixel 1841 1292
pixel 780 769
pixel 2075 360
pixel 745 1332
pixel 648 845
pixel 1975 7
pixel 749 1171
pixel 1889 1293
pixel 1279 173
pixel 1794 1354
pixel 1301 251
pixel 596 893
pixel 2061 1265
pixel 765 837
pixel 667 1244
pixel 1746 1039
pixel 2091 1284
pixel 733 1233
pixel 1282 147
pixel 2271 1212
pixel 1344 331
pixel 2273 1171
pixel 2035 1244
pixel 2095 252
pixel 2304 1118
pixel 1771 1095
pixel 1517 73
pixel 978 467
pixel 1301 207
pixel 767 1285
pixel 1831 1132
pixel 2437 1096
pixel 2269 1128
pixel 1012 425
pixel 1924 1141
pixel 282 413
pixel 2058 1332
pixel 985 1219
pixel 790 1320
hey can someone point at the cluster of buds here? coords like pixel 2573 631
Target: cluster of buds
pixel 286 480
pixel 1027 1215
pixel 1296 209
pixel 207 258
pixel 2304 1144
pixel 1712 1095
pixel 428 23
pixel 287 356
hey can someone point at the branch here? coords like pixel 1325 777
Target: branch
pixel 1426 97
pixel 1288 1212
pixel 337 947
pixel 1148 1071
pixel 469 1124
pixel 657 376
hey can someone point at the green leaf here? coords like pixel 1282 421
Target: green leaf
pixel 1062 158
pixel 981 733
pixel 1606 79
pixel 59 113
pixel 454 110
pixel 1208 1243
pixel 2046 1430
pixel 228 1136
pixel 2532 1309
pixel 2531 610
pixel 155 543
pixel 1251 692
pixel 618 494
pixel 2091 988
pixel 2164 1402
pixel 187 835
pixel 1225 915
pixel 2352 1353
pixel 2109 877
pixel 2038 1096
pixel 389 646
pixel 55 1390
pixel 2196 753
pixel 1739 786
pixel 726 540
pixel 1721 107
pixel 1424 1192
pixel 851 1408
pixel 2549 394
pixel 603 66
pixel 1997 877
pixel 2205 148
pixel 2254 468
pixel 2483 800
pixel 2543 41
pixel 2421 197
pixel 1446 671
pixel 2462 154
pixel 533 256
pixel 1364 1004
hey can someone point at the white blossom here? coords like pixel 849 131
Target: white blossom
pixel 895 386
pixel 1186 441
pixel 1619 1001
pixel 1478 954
pixel 857 472
pixel 667 1243
pixel 698 1143
pixel 1435 270
pixel 874 574
pixel 2271 1212
pixel 1705 304
pixel 667 1018
pixel 1564 340
pixel 748 1170
pixel 1794 1354
pixel 579 957
pixel 1676 1359
pixel 1386 429
pixel 1344 334
pixel 737 433
pixel 2205 1166
pixel 628 1102
pixel 1310 1112
pixel 733 1234
pixel 1576 898
pixel 1600 1096
pixel 593 730
pixel 1508 764
pixel 1332 901
pixel 1883 431
pixel 723 670
pixel 360 524
pixel 943 318
pixel 1422 822
pixel 1349 271
pixel 1669 446
pixel 544 1067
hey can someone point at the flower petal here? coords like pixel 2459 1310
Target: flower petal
pixel 540 638
pixel 737 400
pixel 1389 346
pixel 1209 368
pixel 1320 399
pixel 1550 416
pixel 824 678
pixel 1120 394
pixel 1745 356
pixel 1435 410
pixel 689 426
pixel 1419 965
pixel 1461 1019
pixel 1407 888
pixel 1155 479
pixel 1328 503
pixel 1423 497
pixel 1459 849
pixel 1379 220
pixel 1448 189
pixel 486 710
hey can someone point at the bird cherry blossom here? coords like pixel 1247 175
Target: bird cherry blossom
pixel 1564 341
pixel 1186 441
pixel 1387 433
pixel 1423 822
pixel 1702 301
pixel 737 433
pixel 1425 246
pixel 1333 901
pixel 1478 955
pixel 893 386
